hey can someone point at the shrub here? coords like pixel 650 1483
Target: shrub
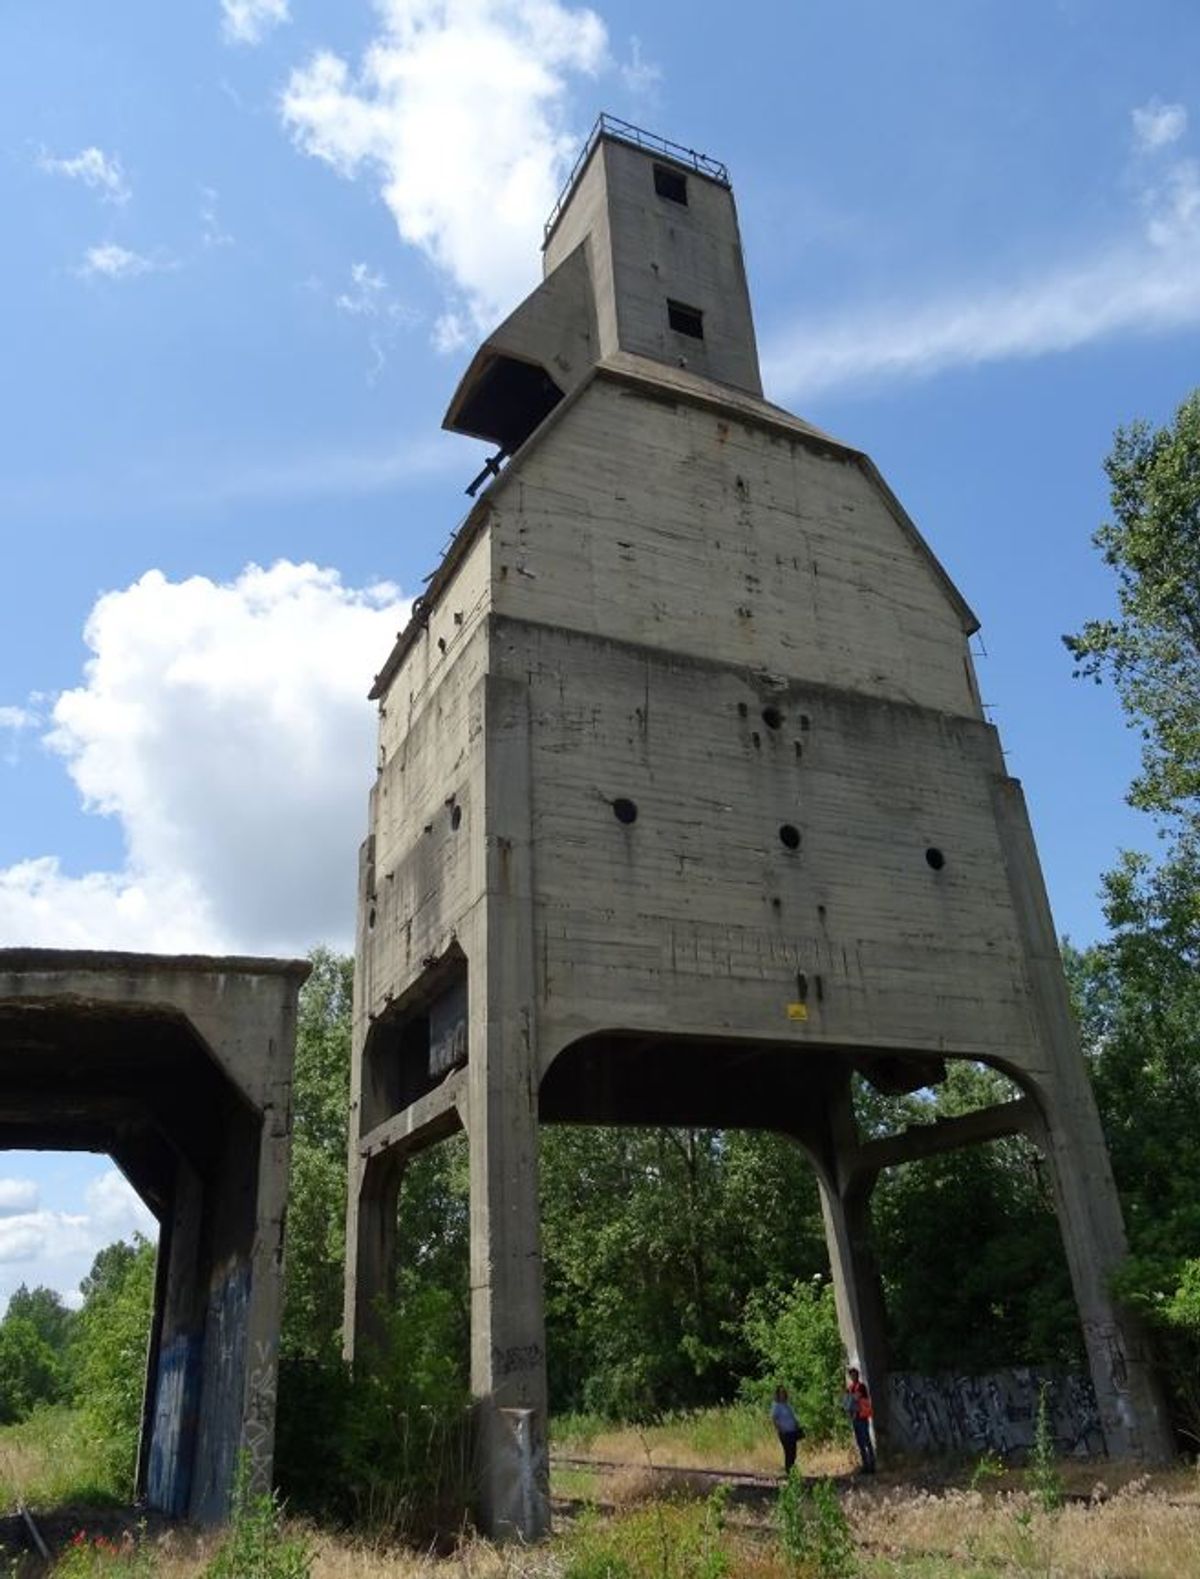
pixel 111 1335
pixel 257 1545
pixel 813 1529
pixel 796 1340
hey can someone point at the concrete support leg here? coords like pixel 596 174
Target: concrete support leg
pixel 508 1358
pixel 1132 1410
pixel 1133 1414
pixel 508 1354
pixel 857 1290
pixel 846 1209
pixel 371 1231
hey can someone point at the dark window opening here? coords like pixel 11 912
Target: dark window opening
pixel 789 836
pixel 686 320
pixel 670 184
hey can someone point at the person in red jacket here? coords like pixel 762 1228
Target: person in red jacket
pixel 858 1408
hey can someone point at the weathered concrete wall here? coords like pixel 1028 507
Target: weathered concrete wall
pixel 708 533
pixel 994 1414
pixel 180 1068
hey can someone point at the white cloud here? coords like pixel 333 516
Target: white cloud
pixel 225 726
pixel 95 169
pixel 17 718
pixel 17 1196
pixel 1157 125
pixel 459 112
pixel 1146 281
pixel 640 76
pixel 55 1249
pixel 367 294
pixel 112 262
pixel 249 21
pixel 114 1208
pixel 368 298
pixel 212 232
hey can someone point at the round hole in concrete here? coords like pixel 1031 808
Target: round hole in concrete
pixel 772 717
pixel 455 817
pixel 789 836
pixel 624 811
pixel 935 858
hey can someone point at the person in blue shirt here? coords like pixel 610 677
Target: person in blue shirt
pixel 789 1428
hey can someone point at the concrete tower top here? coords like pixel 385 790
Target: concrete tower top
pixel 642 255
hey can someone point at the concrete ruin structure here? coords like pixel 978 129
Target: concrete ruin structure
pixel 180 1069
pixel 687 810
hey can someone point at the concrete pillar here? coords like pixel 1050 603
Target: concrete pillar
pixel 845 1192
pixel 857 1290
pixel 371 1239
pixel 508 1352
pixel 1133 1413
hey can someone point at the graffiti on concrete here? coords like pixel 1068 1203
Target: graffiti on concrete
pixel 994 1414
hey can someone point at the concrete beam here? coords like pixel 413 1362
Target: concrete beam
pixel 919 1141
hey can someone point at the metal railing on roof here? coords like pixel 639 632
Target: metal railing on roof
pixel 623 131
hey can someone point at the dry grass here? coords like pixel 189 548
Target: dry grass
pixel 739 1440
pixel 1147 1531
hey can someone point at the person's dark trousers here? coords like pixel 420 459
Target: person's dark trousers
pixel 788 1441
pixel 866 1448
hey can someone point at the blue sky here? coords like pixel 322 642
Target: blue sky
pixel 249 247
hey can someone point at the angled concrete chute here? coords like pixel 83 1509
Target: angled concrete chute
pixel 683 751
pixel 179 1068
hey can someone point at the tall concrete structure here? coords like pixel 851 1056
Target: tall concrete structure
pixel 180 1069
pixel 687 809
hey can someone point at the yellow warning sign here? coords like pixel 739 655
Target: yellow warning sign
pixel 797 1011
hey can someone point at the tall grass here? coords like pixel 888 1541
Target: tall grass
pixel 51 1460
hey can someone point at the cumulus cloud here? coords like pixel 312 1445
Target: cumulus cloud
pixel 112 262
pixel 114 1209
pixel 1157 125
pixel 17 718
pixel 17 1196
pixel 56 1249
pixel 458 112
pixel 249 21
pixel 224 725
pixel 96 169
pixel 1146 280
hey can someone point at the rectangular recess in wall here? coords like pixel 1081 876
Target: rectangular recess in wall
pixel 671 184
pixel 685 320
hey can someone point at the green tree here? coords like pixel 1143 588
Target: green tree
pixel 1137 993
pixel 1151 651
pixel 45 1309
pixel 109 1354
pixel 654 1240
pixel 31 1373
pixel 968 1242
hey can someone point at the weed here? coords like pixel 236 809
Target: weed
pixel 256 1546
pixel 989 1467
pixel 1044 1479
pixel 814 1530
pixel 86 1556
